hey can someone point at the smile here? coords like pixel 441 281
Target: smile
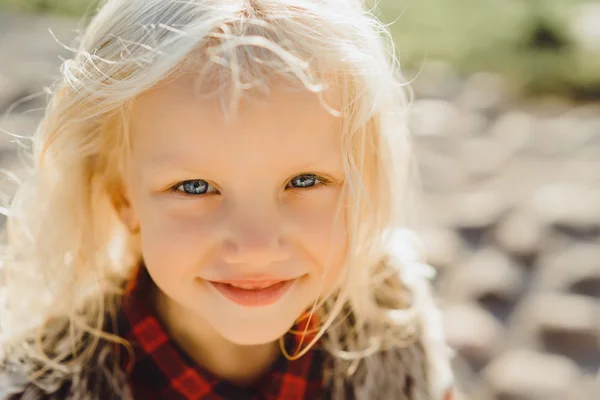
pixel 253 294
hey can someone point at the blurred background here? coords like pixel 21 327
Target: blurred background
pixel 506 121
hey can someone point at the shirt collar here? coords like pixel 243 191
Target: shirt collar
pixel 160 370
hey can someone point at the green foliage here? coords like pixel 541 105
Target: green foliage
pixel 528 40
pixel 67 7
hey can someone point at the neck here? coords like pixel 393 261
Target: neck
pixel 241 365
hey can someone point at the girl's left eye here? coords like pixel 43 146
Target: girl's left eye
pixel 195 187
pixel 305 181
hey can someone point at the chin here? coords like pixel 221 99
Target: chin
pixel 253 337
pixel 253 331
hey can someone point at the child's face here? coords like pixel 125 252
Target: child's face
pixel 251 201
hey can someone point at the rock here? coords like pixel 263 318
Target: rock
pixel 472 331
pixel 477 210
pixel 571 208
pixel 484 91
pixel 514 130
pixel 591 385
pixel 431 118
pixel 467 123
pixel 482 157
pixel 467 380
pixel 438 80
pixel 520 234
pixel 575 269
pixel 554 241
pixel 439 173
pixel 440 119
pixel 489 276
pixel 566 324
pixel 528 375
pixel 561 136
pixel 443 247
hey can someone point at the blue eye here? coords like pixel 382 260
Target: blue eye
pixel 195 187
pixel 305 181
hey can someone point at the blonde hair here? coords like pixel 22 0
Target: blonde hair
pixel 68 254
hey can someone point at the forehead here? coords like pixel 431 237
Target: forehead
pixel 172 119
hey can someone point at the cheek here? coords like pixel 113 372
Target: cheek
pixel 323 231
pixel 173 241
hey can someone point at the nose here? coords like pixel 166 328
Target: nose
pixel 255 241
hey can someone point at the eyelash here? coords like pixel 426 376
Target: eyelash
pixel 321 181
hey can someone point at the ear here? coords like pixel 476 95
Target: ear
pixel 125 210
pixel 129 218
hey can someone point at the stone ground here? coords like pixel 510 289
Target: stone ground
pixel 512 221
pixel 511 216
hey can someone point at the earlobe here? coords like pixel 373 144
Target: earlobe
pixel 129 218
pixel 125 212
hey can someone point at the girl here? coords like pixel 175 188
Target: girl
pixel 214 214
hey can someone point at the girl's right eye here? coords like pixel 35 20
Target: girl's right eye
pixel 195 187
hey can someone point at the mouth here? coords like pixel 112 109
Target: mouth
pixel 253 294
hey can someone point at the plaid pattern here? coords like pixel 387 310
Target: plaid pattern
pixel 162 371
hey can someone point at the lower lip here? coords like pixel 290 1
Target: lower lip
pixel 254 298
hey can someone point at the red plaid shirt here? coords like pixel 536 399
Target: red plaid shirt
pixel 162 371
